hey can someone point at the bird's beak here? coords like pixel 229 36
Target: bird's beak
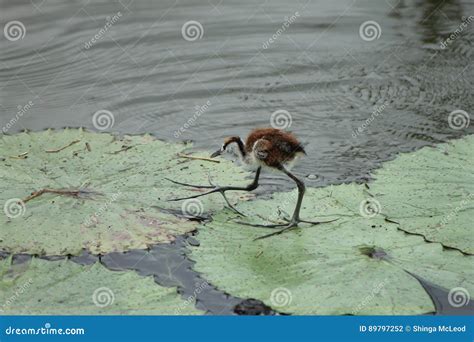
pixel 217 153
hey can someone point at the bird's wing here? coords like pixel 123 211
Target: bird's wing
pixel 285 147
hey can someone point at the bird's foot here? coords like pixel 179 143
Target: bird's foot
pixel 213 188
pixel 290 224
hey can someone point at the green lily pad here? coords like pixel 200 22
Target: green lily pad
pixel 435 185
pixel 63 287
pixel 359 264
pixel 103 194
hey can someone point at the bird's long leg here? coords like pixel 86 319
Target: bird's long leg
pixel 220 189
pixel 295 219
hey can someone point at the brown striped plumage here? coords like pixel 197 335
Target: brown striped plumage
pixel 273 147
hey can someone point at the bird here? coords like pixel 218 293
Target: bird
pixel 264 148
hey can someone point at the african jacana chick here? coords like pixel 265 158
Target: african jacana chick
pixel 265 147
pixel 269 148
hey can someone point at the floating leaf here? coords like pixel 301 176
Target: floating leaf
pixel 41 287
pixel 98 192
pixel 359 264
pixel 435 185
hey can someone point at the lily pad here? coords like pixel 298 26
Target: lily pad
pixel 98 192
pixel 360 264
pixel 435 185
pixel 41 287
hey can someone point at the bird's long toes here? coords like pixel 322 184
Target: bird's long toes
pixel 231 207
pixel 191 185
pixel 317 222
pixel 258 225
pixel 278 232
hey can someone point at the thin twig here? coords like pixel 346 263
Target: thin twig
pixel 52 191
pixel 182 155
pixel 124 148
pixel 62 148
pixel 20 156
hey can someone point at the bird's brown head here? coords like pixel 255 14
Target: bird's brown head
pixel 227 142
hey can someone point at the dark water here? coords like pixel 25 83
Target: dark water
pixel 170 266
pixel 319 70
